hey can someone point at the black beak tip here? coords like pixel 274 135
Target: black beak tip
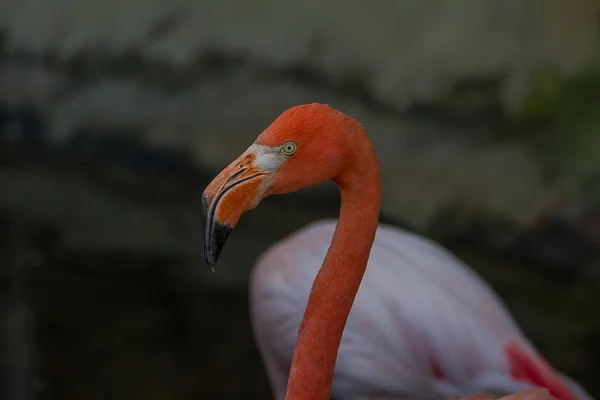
pixel 215 236
pixel 211 260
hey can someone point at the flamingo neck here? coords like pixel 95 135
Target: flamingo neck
pixel 337 282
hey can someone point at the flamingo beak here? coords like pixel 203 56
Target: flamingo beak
pixel 238 188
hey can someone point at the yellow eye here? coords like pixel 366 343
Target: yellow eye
pixel 288 148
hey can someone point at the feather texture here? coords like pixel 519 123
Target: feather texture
pixel 423 324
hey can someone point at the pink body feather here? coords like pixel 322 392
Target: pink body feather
pixel 423 325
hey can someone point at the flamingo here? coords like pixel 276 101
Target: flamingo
pixel 417 330
pixel 423 323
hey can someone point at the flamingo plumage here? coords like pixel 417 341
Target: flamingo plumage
pixel 423 324
pixel 307 145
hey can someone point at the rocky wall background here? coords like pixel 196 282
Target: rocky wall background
pixel 115 115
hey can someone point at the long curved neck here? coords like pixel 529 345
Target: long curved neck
pixel 338 280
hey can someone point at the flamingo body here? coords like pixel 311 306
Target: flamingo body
pixel 423 324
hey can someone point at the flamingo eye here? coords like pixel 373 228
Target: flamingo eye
pixel 288 148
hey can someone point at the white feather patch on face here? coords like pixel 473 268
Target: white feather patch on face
pixel 267 158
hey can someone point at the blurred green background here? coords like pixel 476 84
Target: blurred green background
pixel 115 115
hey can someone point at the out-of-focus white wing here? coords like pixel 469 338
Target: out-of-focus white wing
pixel 423 324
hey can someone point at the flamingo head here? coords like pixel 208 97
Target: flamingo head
pixel 304 146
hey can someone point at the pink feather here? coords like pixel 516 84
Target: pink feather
pixel 423 325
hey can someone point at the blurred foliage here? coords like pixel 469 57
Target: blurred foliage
pixel 566 107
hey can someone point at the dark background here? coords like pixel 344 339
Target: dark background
pixel 114 117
